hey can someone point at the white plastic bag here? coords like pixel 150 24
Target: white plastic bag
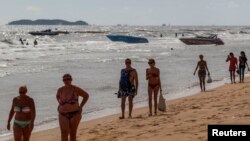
pixel 162 103
pixel 209 79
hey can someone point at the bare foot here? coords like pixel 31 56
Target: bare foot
pixel 122 117
pixel 150 114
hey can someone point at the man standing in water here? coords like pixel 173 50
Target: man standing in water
pixel 21 41
pixel 202 65
pixel 128 87
pixel 35 42
pixel 232 66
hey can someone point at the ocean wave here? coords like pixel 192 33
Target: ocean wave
pixel 3 64
pixel 8 41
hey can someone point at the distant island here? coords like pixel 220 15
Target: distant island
pixel 46 22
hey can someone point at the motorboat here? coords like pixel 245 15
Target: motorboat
pixel 127 39
pixel 61 32
pixel 202 40
pixel 244 32
pixel 44 32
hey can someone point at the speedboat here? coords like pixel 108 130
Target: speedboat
pixel 43 33
pixel 202 40
pixel 61 32
pixel 127 39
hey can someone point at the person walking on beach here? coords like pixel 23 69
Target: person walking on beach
pixel 128 87
pixel 242 65
pixel 23 107
pixel 70 112
pixel 232 66
pixel 202 65
pixel 154 84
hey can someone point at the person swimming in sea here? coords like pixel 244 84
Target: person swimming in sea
pixel 21 40
pixel 35 42
pixel 202 72
pixel 154 85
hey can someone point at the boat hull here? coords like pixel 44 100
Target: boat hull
pixel 43 33
pixel 127 39
pixel 195 41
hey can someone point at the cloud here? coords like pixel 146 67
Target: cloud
pixel 33 9
pixel 125 8
pixel 232 5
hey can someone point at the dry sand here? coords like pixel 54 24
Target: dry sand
pixel 185 120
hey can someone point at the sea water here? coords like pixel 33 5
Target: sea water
pixel 95 63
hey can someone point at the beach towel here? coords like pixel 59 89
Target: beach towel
pixel 209 79
pixel 125 84
pixel 162 103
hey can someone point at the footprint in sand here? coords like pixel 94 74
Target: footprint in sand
pixel 152 131
pixel 178 124
pixel 195 107
pixel 139 116
pixel 154 124
pixel 93 139
pixel 226 109
pixel 192 120
pixel 138 125
pixel 93 131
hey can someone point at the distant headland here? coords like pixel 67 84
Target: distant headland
pixel 46 22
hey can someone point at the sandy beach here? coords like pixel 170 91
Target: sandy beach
pixel 185 120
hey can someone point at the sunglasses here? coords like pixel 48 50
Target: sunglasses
pixel 128 62
pixel 22 92
pixel 150 62
pixel 67 79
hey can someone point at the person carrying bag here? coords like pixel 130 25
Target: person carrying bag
pixel 162 103
pixel 209 79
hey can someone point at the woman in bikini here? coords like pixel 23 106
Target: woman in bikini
pixel 23 108
pixel 70 112
pixel 202 65
pixel 154 84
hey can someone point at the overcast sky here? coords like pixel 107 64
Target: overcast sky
pixel 131 12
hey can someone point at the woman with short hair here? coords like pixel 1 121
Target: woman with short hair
pixel 23 107
pixel 70 111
